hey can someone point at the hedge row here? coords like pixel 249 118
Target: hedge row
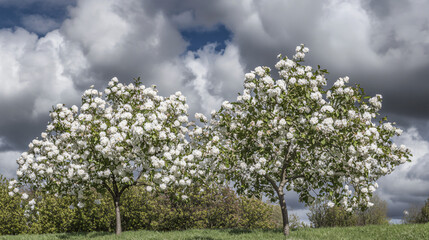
pixel 217 208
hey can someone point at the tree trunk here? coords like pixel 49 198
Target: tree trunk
pixel 284 214
pixel 118 216
pixel 116 196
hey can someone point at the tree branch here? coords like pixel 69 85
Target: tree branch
pixel 115 186
pixel 108 188
pixel 273 183
pixel 286 163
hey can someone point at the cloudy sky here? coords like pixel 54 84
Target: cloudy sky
pixel 51 50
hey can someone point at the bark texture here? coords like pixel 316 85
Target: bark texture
pixel 284 214
pixel 118 218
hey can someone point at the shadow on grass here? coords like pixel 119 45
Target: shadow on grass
pixel 83 235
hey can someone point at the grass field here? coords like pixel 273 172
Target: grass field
pixel 391 232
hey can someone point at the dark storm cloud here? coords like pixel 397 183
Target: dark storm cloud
pixel 380 8
pixel 20 131
pixel 399 203
pixel 410 96
pixel 405 92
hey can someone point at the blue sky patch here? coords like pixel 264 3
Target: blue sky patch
pixel 198 37
pixel 11 15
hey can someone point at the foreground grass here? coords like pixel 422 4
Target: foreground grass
pixel 391 232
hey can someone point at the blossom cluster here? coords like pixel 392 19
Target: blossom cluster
pixel 124 136
pixel 293 133
pixel 288 133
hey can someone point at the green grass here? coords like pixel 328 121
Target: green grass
pixel 390 232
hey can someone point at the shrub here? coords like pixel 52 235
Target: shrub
pixel 12 220
pixel 137 209
pixel 51 215
pixel 54 214
pixel 276 216
pixel 323 216
pixel 416 214
pixel 256 214
pixel 412 215
pixel 214 208
pixel 218 207
pixel 424 213
pixel 375 215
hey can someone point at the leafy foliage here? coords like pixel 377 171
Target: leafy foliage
pixel 12 220
pixel 216 208
pixel 374 215
pixel 287 134
pixel 323 216
pixel 424 216
pixel 417 214
pixel 124 136
pixel 293 133
pixel 55 215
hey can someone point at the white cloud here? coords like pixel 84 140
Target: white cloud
pixel 32 74
pixel 98 28
pixel 343 35
pixel 99 41
pixel 215 76
pixel 345 29
pixel 127 40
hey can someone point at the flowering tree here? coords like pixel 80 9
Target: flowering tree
pixel 292 134
pixel 123 137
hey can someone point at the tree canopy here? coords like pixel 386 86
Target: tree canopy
pixel 291 134
pixel 127 135
pixel 294 134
